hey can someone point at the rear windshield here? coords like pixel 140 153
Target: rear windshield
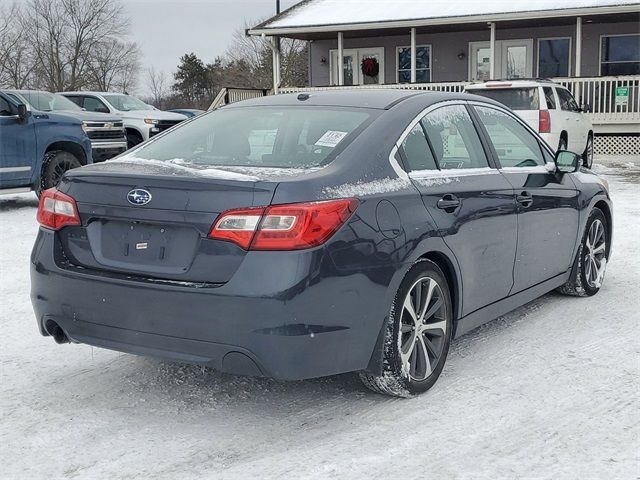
pixel 284 137
pixel 514 98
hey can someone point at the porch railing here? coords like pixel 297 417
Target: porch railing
pixel 231 95
pixel 598 92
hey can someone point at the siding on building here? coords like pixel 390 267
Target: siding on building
pixel 445 48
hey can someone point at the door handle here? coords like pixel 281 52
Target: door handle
pixel 525 199
pixel 448 203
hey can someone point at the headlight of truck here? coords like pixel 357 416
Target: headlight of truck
pixel 150 121
pixel 85 127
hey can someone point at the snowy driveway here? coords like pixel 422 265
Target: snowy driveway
pixel 551 390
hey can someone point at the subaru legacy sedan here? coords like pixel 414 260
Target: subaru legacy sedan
pixel 305 235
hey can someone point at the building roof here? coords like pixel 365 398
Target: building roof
pixel 332 15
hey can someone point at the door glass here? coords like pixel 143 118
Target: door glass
pixel 454 139
pixel 94 105
pixel 567 101
pixel 516 61
pixel 513 143
pixel 347 65
pixel 5 109
pixel 482 63
pixel 417 152
pixel 551 100
pixel 370 68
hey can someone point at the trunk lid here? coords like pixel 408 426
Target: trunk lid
pixel 160 230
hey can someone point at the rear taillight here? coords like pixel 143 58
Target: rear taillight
pixel 57 210
pixel 544 122
pixel 283 227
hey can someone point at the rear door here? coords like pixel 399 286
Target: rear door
pixel 470 202
pixel 576 129
pixel 547 202
pixel 17 146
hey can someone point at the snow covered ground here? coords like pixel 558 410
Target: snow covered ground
pixel 551 390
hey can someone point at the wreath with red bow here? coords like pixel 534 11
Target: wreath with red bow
pixel 370 67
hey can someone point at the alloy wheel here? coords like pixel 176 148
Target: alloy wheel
pixel 595 261
pixel 423 329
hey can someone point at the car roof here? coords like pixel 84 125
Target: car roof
pixel 375 98
pixel 85 92
pixel 515 83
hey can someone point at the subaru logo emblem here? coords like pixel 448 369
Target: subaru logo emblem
pixel 139 196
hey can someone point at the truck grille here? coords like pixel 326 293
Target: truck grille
pixel 111 134
pixel 104 125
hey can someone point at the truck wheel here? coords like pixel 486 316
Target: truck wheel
pixel 587 156
pixel 133 139
pixel 55 164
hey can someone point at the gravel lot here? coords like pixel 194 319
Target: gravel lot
pixel 549 391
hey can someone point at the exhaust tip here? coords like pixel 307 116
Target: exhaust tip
pixel 56 332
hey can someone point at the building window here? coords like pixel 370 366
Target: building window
pixel 423 64
pixel 620 55
pixel 553 57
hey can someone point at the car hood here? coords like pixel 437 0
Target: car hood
pixel 154 114
pixel 90 116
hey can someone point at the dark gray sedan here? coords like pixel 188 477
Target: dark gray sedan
pixel 298 236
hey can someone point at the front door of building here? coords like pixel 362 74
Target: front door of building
pixel 354 74
pixel 514 59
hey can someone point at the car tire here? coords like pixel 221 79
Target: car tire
pixel 416 344
pixel 54 166
pixel 591 261
pixel 587 156
pixel 133 139
pixel 563 144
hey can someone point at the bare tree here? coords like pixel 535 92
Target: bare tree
pixel 16 59
pixel 75 42
pixel 114 66
pixel 157 83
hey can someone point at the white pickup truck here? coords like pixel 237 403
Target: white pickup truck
pixel 141 120
pixel 548 108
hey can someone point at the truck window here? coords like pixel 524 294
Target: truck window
pixel 92 104
pixel 525 98
pixel 550 98
pixel 5 109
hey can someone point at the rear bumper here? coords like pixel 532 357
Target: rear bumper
pixel 279 323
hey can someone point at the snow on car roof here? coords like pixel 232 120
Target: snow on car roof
pixel 316 13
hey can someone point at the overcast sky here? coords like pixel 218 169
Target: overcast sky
pixel 167 29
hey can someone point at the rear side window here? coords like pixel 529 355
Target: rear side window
pixel 514 98
pixel 286 137
pixel 550 98
pixel 514 144
pixel 417 152
pixel 454 139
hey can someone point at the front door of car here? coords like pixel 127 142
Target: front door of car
pixel 17 146
pixel 471 204
pixel 547 201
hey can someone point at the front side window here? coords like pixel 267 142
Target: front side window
pixel 453 138
pixel 553 57
pixel 93 104
pixel 285 137
pixel 513 143
pixel 423 64
pixel 5 108
pixel 567 102
pixel 620 55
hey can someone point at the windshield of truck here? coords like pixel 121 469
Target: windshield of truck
pixel 514 98
pixel 126 103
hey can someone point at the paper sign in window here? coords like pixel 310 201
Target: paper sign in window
pixel 331 138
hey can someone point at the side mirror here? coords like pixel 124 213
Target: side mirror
pixel 567 162
pixel 586 108
pixel 23 112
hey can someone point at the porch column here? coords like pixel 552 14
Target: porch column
pixel 413 55
pixel 578 46
pixel 492 52
pixel 275 60
pixel 340 59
